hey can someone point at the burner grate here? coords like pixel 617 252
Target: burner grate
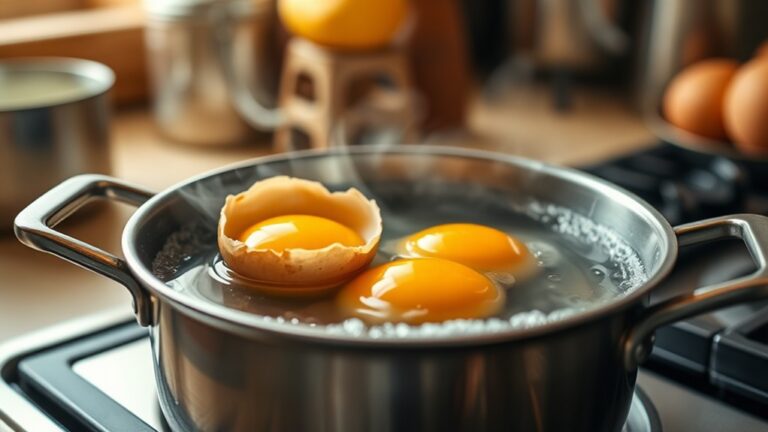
pixel 681 188
pixel 50 380
pixel 740 358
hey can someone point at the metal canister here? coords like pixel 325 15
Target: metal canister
pixel 54 123
pixel 212 68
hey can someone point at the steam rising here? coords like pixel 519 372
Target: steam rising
pixel 339 172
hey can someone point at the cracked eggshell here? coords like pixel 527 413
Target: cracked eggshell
pixel 299 270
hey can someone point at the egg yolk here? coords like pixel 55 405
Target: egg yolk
pixel 477 246
pixel 420 290
pixel 298 232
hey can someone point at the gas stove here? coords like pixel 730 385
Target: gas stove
pixel 706 374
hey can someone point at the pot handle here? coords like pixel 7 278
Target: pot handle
pixel 753 230
pixel 34 227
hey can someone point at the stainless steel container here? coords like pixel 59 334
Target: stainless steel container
pixel 54 123
pixel 218 368
pixel 212 68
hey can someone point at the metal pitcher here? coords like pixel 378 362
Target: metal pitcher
pixel 212 68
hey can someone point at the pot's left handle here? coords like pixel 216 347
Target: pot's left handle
pixel 753 230
pixel 34 227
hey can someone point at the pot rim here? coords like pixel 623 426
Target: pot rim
pixel 102 75
pixel 247 323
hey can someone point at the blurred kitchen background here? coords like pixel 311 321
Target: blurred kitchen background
pixel 202 83
pixel 197 84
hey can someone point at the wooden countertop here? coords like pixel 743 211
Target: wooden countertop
pixel 522 122
pixel 37 290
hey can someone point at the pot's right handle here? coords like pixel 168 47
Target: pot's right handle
pixel 34 227
pixel 753 230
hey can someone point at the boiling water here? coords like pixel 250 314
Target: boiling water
pixel 581 265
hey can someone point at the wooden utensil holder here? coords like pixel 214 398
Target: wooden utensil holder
pixel 322 89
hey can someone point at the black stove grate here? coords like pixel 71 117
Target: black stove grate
pixel 682 188
pixel 50 381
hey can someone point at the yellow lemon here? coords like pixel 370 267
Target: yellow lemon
pixel 345 24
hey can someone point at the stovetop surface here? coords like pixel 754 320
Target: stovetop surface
pixel 706 374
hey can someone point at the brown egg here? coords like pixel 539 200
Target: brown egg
pixel 694 99
pixel 291 236
pixel 746 107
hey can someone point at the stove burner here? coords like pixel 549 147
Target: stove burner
pixel 682 188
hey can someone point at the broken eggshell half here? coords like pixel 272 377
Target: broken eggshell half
pixel 297 272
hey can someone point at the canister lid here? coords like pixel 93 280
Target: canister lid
pixel 181 9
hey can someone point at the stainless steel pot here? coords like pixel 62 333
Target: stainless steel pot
pixel 53 125
pixel 222 369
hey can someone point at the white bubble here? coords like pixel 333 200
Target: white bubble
pixel 523 320
pixel 354 326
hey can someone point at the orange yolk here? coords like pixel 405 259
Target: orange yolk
pixel 298 232
pixel 477 246
pixel 420 290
